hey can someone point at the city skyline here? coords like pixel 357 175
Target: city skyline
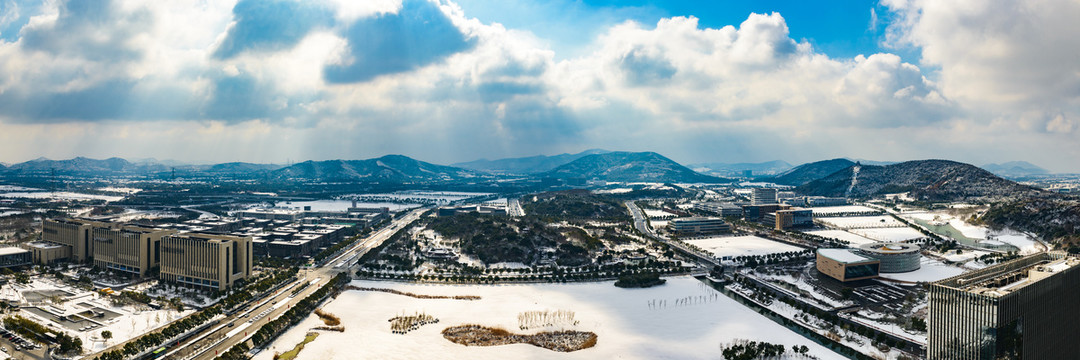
pixel 447 82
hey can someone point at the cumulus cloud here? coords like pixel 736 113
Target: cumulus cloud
pixel 346 79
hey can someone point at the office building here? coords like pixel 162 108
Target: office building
pixel 825 201
pixel 845 265
pixel 696 226
pixel 203 260
pixel 1022 309
pixel 789 218
pixel 719 208
pixel 127 249
pixel 72 233
pixel 894 257
pixel 763 196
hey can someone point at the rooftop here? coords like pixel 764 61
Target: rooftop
pixel 843 255
pixel 12 250
pixel 1004 279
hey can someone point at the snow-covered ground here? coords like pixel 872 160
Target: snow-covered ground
pixel 741 246
pixel 658 224
pixel 1015 238
pixel 660 214
pixel 860 221
pixel 889 234
pixel 829 210
pixel 342 205
pixel 682 319
pixel 614 191
pixel 59 195
pixel 931 270
pixel 854 239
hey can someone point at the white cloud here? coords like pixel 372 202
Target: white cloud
pixel 737 92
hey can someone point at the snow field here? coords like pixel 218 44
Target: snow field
pixel 682 319
pixel 930 270
pixel 854 239
pixel 888 234
pixel 748 245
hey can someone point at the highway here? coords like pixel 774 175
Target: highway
pixel 642 225
pixel 240 326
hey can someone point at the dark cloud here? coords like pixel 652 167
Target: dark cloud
pixel 111 100
pixel 418 35
pixel 90 29
pixel 644 69
pixel 272 25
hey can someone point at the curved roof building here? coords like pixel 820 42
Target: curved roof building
pixel 895 257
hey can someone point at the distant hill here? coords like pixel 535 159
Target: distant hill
pixel 630 167
pixel 526 165
pixel 811 171
pixel 241 168
pixel 933 180
pixel 737 169
pixel 81 165
pixel 1015 169
pixel 395 168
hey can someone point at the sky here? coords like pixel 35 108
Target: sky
pixel 277 81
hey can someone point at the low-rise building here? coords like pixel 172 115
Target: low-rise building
pixel 696 226
pixel 48 253
pixel 14 257
pixel 894 257
pixel 845 265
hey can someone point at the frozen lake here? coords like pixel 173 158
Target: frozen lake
pixel 683 319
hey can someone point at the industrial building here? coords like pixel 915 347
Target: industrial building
pixel 813 201
pixel 697 226
pixel 895 257
pixel 204 260
pixel 763 196
pixel 1022 309
pixel 846 265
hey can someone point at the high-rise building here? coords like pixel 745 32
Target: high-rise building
pixel 205 260
pixel 129 249
pixel 1022 309
pixel 763 196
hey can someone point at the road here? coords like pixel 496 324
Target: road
pixel 233 329
pixel 642 225
pixel 282 301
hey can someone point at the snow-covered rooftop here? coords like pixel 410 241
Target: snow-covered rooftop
pixel 842 255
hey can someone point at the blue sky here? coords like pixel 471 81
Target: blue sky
pixel 445 81
pixel 840 29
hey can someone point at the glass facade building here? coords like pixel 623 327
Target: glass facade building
pixel 1024 309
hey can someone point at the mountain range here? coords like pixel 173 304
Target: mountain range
pixel 1015 169
pixel 931 180
pixel 737 169
pixel 810 171
pixel 391 168
pixel 526 165
pixel 630 167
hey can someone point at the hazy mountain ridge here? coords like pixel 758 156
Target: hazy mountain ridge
pixel 386 168
pixel 808 172
pixel 1015 169
pixel 630 167
pixel 930 180
pixel 526 165
pixel 82 165
pixel 736 169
